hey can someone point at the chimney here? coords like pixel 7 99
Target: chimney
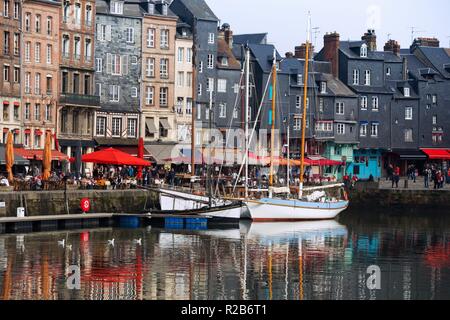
pixel 300 51
pixel 331 51
pixel 227 34
pixel 426 42
pixel 289 55
pixel 392 46
pixel 405 69
pixel 371 39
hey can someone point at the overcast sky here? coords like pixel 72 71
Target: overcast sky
pixel 285 20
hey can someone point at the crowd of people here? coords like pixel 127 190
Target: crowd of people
pixel 432 174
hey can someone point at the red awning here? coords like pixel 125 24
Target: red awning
pixel 5 130
pixel 437 154
pixel 6 102
pixel 322 162
pixel 17 104
pixel 17 131
pixel 38 132
pixel 114 157
pixel 32 154
pixel 27 131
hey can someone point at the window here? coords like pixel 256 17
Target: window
pixel 98 89
pixel 130 35
pixel 37 112
pixel 199 89
pixel 65 46
pixel 222 110
pixel 87 84
pixel 188 55
pixel 299 79
pixel 180 79
pixel 210 85
pixel 435 120
pixel 363 130
pixel 37 141
pixel 134 60
pixel 388 71
pixel 339 108
pixel 355 77
pixel 210 61
pixel 49 85
pixel 199 111
pixel 6 8
pixel 364 103
pixel 48 112
pixel 27 111
pixel 222 85
pixel 98 65
pixel 116 7
pixel 16 10
pixel 150 94
pixel 101 126
pixel 27 51
pixel 323 87
pixel 37 52
pixel 164 68
pixel 374 130
pixel 150 68
pixel 407 92
pixel 76 83
pixel 116 127
pixel 131 128
pixel 363 52
pixel 16 75
pixel 434 99
pixel 88 16
pixel 236 88
pixel 27 82
pixel 163 96
pixel 340 129
pixel 77 14
pixel 297 124
pixel 113 64
pixel 179 106
pixel 6 43
pixel 49 54
pixel 164 39
pixel 298 102
pixel 77 47
pixel 151 38
pixel 163 131
pixel 134 92
pixel 321 104
pixel 180 55
pixel 367 78
pixel 189 79
pixel 408 113
pixel 188 106
pixel 224 61
pixel 211 38
pixel 16 44
pixel 375 104
pixel 165 8
pixel 27 140
pixel 408 135
pixel 27 22
pixel 114 93
pixel 37 24
pixel 65 82
pixel 6 73
pixel 87 49
pixel 37 83
pixel 235 113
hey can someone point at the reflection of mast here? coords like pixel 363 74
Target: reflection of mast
pixel 45 279
pixel 287 271
pixel 244 277
pixel 8 281
pixel 300 269
pixel 270 271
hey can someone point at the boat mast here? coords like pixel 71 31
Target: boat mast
pixel 274 95
pixel 288 173
pixel 209 180
pixel 247 106
pixel 193 108
pixel 305 99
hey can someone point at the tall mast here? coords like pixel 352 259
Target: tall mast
pixel 305 99
pixel 209 180
pixel 193 109
pixel 274 95
pixel 247 106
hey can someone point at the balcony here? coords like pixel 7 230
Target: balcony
pixel 324 135
pixel 80 99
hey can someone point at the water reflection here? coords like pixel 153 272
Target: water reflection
pixel 295 261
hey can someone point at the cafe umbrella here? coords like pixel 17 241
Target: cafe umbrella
pixel 9 157
pixel 47 158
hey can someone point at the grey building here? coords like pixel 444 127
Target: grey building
pixel 118 72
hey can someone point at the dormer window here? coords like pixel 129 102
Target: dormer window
pixel 363 52
pixel 224 61
pixel 116 7
pixel 151 8
pixel 388 71
pixel 299 79
pixel 406 92
pixel 323 87
pixel 165 9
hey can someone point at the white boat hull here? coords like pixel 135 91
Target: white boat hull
pixel 172 200
pixel 289 210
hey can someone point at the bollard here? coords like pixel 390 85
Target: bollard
pixel 406 184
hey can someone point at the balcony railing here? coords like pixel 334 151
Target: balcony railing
pixel 80 99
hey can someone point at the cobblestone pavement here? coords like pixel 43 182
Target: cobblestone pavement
pixel 419 185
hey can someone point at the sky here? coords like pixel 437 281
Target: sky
pixel 286 20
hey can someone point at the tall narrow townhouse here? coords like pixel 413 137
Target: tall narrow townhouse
pixel 41 35
pixel 183 82
pixel 118 74
pixel 158 79
pixel 203 23
pixel 77 99
pixel 10 39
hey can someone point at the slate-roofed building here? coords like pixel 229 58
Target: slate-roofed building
pixel 118 56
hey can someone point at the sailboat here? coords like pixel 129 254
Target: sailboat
pixel 317 205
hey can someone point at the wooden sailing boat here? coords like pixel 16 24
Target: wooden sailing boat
pixel 313 207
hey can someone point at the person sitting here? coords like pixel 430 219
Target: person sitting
pixel 4 182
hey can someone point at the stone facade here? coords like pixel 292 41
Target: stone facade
pixel 40 54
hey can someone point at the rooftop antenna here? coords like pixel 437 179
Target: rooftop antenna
pixel 316 31
pixel 414 32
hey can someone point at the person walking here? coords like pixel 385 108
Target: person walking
pixel 427 177
pixel 396 177
pixel 390 173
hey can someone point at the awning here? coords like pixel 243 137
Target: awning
pixel 38 132
pixel 131 150
pixel 322 161
pixel 27 131
pixel 114 157
pixel 18 160
pixel 437 154
pixel 6 102
pixel 165 123
pixel 150 125
pixel 159 152
pixel 17 104
pixel 410 154
pixel 5 130
pixel 32 154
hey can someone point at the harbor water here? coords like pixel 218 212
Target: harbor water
pixel 263 261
